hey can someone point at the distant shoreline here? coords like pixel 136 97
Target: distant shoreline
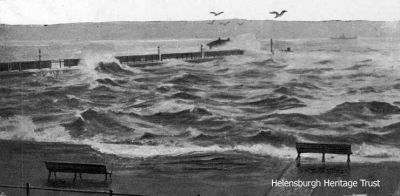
pixel 262 29
pixel 158 21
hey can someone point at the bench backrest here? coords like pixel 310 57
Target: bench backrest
pixel 76 167
pixel 323 148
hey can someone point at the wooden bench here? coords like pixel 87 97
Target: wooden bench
pixel 324 149
pixel 76 168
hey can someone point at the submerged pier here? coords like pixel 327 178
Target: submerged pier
pixel 130 59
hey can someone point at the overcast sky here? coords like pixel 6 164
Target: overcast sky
pixel 69 11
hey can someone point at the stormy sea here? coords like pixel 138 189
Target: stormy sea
pixel 216 113
pixel 344 91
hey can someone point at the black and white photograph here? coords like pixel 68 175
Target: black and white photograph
pixel 200 97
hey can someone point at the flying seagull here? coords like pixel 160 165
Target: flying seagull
pixel 240 24
pixel 212 22
pixel 216 14
pixel 277 15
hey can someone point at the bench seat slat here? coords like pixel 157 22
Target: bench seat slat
pixel 76 168
pixel 323 148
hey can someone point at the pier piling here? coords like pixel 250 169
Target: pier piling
pixel 202 51
pixel 159 54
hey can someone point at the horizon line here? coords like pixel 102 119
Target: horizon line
pixel 150 21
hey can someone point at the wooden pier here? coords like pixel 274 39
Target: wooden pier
pixel 159 57
pixel 49 64
pixel 130 59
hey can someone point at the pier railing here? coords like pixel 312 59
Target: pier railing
pixel 133 59
pixel 28 190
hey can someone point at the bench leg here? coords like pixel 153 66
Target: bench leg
pixel 348 159
pixel 80 176
pixel 55 176
pixel 48 176
pixel 74 176
pixel 110 178
pixel 323 157
pixel 298 159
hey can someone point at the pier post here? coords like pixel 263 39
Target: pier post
pixel 8 66
pixel 19 66
pixel 60 64
pixel 272 44
pixel 159 54
pixel 202 51
pixel 40 58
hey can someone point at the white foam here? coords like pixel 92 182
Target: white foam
pixel 193 132
pixel 376 153
pixel 22 128
pixel 143 151
pixel 90 62
pixel 17 127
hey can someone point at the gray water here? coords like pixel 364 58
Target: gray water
pixel 344 91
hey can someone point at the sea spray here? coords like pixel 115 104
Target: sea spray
pixel 17 127
pixel 89 63
pixel 92 65
pixel 22 128
pixel 246 41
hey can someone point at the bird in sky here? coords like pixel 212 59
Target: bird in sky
pixel 240 23
pixel 277 15
pixel 212 22
pixel 216 14
pixel 225 23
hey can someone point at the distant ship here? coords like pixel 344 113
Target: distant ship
pixel 218 42
pixel 344 37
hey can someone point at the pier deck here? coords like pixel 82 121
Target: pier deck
pixel 130 59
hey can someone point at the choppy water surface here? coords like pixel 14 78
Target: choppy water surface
pixel 326 91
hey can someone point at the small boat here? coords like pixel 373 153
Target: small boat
pixel 344 37
pixel 218 42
